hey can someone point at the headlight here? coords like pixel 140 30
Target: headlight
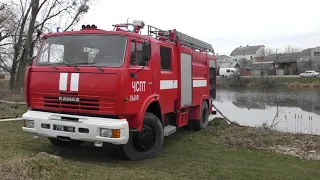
pixel 110 133
pixel 105 132
pixel 29 123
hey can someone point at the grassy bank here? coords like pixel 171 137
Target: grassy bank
pixel 10 110
pixel 220 152
pixel 269 82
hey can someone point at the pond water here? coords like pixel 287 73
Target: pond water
pixel 290 110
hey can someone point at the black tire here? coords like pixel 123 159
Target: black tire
pixel 204 115
pixel 60 143
pixel 134 149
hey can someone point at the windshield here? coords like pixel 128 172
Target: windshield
pixel 97 50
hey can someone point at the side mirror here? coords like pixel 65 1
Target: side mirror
pixel 146 51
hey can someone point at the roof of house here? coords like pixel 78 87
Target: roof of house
pixel 282 58
pixel 305 52
pixel 223 58
pixel 229 65
pixel 245 50
pixel 262 65
pixel 4 73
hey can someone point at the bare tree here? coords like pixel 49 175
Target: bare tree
pixel 291 49
pixel 268 51
pixel 244 63
pixel 31 17
pixel 6 30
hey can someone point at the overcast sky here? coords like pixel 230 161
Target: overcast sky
pixel 226 24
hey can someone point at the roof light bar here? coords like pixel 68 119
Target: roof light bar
pixel 89 27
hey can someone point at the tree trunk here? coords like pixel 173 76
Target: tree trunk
pixel 13 75
pixel 17 47
pixel 20 75
pixel 27 48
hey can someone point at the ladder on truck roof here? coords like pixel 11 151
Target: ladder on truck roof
pixel 173 35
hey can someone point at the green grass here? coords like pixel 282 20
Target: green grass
pixel 11 110
pixel 205 154
pixel 298 79
pixel 271 82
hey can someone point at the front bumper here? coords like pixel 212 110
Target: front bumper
pixel 92 124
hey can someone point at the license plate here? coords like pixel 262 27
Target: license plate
pixel 63 128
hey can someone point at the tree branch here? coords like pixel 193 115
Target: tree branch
pixel 42 4
pixel 4 65
pixel 82 9
pixel 50 17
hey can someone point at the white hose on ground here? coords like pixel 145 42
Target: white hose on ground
pixel 12 119
pixel 8 102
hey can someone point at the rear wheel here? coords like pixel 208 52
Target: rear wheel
pixel 204 115
pixel 147 143
pixel 69 143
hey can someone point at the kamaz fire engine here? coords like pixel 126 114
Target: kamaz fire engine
pixel 119 87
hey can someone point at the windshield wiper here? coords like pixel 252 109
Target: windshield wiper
pixel 82 63
pixel 73 65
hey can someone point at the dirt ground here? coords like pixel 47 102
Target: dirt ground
pixel 304 146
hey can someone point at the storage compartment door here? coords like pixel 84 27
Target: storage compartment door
pixel 186 79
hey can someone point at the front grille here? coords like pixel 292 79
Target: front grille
pixel 84 104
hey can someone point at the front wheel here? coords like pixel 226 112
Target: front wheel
pixel 147 143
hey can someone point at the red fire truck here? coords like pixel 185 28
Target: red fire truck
pixel 119 87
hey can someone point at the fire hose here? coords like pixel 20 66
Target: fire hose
pixel 8 102
pixel 231 122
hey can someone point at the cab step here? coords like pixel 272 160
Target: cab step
pixel 169 129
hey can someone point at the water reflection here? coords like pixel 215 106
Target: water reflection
pixel 294 110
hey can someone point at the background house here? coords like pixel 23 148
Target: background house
pixel 4 75
pixel 309 59
pixel 263 68
pixel 287 63
pixel 229 65
pixel 221 59
pixel 252 53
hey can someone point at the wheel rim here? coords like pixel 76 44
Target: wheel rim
pixel 145 140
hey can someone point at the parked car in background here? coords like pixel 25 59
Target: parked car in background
pixel 309 74
pixel 227 72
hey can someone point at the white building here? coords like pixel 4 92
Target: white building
pixel 252 53
pixel 3 74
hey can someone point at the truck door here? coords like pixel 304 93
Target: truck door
pixel 140 74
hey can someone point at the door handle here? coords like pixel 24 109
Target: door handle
pixel 149 83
